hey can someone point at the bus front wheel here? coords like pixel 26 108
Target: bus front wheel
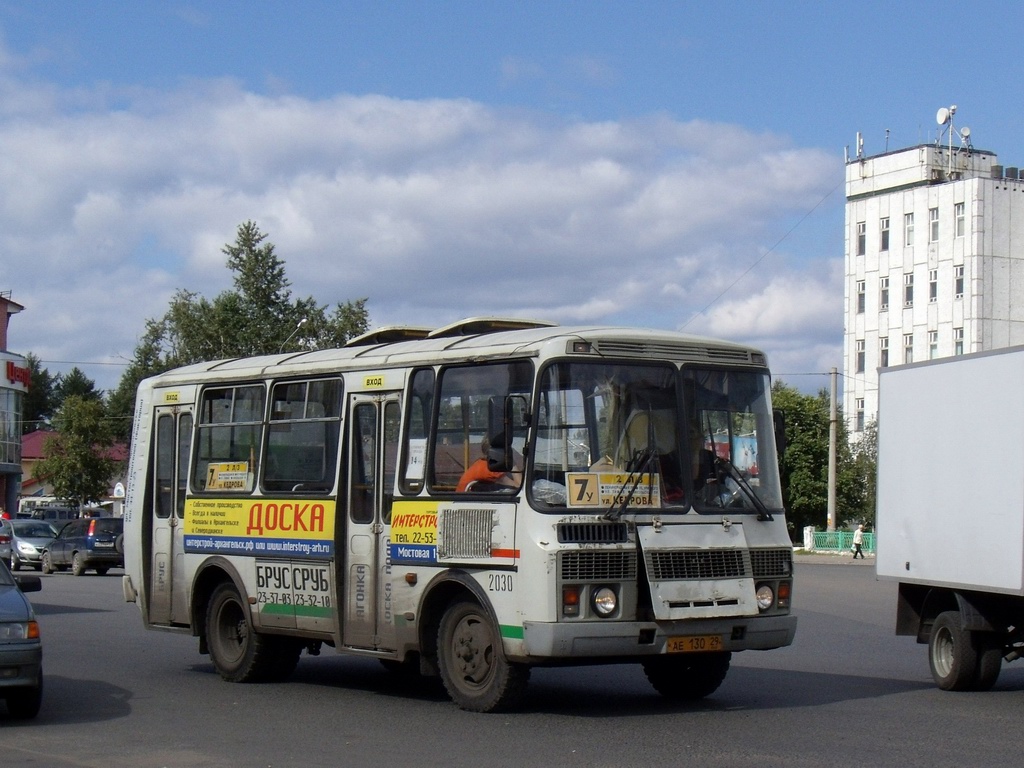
pixel 239 654
pixel 472 662
pixel 687 676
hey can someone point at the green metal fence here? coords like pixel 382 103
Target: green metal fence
pixel 842 541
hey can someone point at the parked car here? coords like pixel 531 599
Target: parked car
pixel 96 543
pixel 29 539
pixel 21 647
pixel 6 536
pixel 48 512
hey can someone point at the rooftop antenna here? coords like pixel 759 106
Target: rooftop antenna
pixel 945 117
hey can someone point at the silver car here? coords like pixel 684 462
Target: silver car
pixel 28 540
pixel 6 535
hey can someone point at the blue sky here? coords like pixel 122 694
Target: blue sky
pixel 671 165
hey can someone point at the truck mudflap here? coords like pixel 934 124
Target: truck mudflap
pixel 698 570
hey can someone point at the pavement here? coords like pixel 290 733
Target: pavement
pixel 832 558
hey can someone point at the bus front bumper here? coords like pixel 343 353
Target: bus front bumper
pixel 580 640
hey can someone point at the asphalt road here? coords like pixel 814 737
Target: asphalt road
pixel 847 691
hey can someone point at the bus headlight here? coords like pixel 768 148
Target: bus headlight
pixel 765 597
pixel 604 601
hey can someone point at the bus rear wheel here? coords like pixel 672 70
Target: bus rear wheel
pixel 687 676
pixel 472 662
pixel 239 653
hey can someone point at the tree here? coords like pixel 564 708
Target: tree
pixel 804 466
pixel 77 461
pixel 865 470
pixel 40 400
pixel 258 317
pixel 75 383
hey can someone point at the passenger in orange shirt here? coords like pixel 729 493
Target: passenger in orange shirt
pixel 478 471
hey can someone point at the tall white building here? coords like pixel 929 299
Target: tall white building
pixel 934 260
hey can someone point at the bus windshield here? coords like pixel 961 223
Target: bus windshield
pixel 654 436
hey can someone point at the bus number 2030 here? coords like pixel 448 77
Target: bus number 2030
pixel 499 582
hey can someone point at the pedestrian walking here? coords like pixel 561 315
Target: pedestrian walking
pixel 858 540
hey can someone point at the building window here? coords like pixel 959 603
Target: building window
pixel 883 243
pixel 908 289
pixel 862 238
pixel 933 344
pixel 860 355
pixel 958 212
pixel 908 347
pixel 958 341
pixel 933 225
pixel 908 229
pixel 933 285
pixel 958 282
pixel 860 297
pixel 860 414
pixel 883 352
pixel 883 294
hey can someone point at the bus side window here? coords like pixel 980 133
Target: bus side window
pixel 229 438
pixel 302 440
pixel 466 398
pixel 420 412
pixel 362 474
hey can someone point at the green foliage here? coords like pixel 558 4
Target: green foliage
pixel 257 317
pixel 804 466
pixel 76 459
pixel 40 400
pixel 74 383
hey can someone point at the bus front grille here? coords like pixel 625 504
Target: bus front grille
pixel 604 532
pixel 685 564
pixel 771 562
pixel 587 565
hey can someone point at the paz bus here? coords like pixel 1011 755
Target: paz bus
pixel 624 506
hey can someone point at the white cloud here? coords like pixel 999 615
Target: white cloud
pixel 432 209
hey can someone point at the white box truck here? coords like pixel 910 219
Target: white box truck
pixel 950 510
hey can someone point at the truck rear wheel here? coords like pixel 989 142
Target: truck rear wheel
pixel 951 654
pixel 990 659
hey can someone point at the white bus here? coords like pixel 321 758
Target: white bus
pixel 468 502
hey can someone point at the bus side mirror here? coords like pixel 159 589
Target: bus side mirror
pixel 779 421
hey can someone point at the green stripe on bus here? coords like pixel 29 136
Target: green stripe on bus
pixel 512 633
pixel 275 609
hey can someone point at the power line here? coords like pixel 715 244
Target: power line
pixel 763 255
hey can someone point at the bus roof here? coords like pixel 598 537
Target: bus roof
pixel 474 339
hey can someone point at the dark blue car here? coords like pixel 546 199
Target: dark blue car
pixel 21 648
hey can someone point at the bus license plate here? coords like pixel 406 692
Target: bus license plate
pixel 695 644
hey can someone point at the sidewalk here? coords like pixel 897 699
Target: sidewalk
pixel 832 558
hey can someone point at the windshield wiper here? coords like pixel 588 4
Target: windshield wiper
pixel 730 469
pixel 638 466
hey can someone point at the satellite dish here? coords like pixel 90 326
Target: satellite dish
pixel 965 131
pixel 942 116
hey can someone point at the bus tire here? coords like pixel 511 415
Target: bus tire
pixel 687 676
pixel 951 654
pixel 239 653
pixel 472 662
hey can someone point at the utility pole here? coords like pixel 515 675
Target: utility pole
pixel 833 419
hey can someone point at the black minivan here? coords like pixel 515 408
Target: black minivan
pixel 90 542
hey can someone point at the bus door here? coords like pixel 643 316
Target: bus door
pixel 167 594
pixel 373 422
